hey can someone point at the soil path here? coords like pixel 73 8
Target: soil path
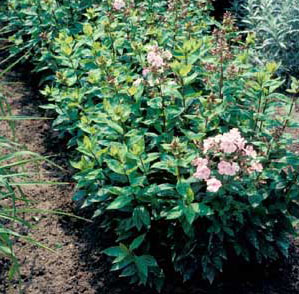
pixel 43 271
pixel 79 267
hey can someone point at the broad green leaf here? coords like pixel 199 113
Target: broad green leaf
pixel 137 242
pixel 120 202
pixel 175 213
pixel 185 69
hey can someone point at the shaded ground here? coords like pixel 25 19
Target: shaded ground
pixel 79 267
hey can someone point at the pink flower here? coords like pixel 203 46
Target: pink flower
pixel 226 168
pixel 218 138
pixel 234 133
pixel 118 4
pixel 145 71
pixel 154 59
pixel 240 143
pixel 231 141
pixel 256 166
pixel 202 172
pixel 213 185
pixel 228 146
pixel 208 144
pixel 249 151
pixel 236 138
pixel 199 162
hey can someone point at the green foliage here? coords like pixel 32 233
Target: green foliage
pixel 139 89
pixel 35 23
pixel 275 24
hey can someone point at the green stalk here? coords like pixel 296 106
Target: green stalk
pixel 289 114
pixel 259 106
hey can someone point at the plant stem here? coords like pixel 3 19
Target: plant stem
pixel 259 107
pixel 163 109
pixel 221 80
pixel 289 114
pixel 264 109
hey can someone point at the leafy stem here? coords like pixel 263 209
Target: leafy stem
pixel 221 77
pixel 289 114
pixel 163 108
pixel 259 107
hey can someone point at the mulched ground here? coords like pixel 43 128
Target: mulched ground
pixel 79 267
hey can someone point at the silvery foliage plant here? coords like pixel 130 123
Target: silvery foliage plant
pixel 275 24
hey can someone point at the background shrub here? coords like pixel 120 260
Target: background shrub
pixel 33 24
pixel 276 27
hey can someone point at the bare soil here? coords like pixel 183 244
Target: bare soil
pixel 78 267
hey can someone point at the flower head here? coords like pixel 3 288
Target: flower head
pixel 213 185
pixel 145 71
pixel 118 4
pixel 199 162
pixel 249 151
pixel 154 59
pixel 227 168
pixel 228 146
pixel 208 144
pixel 231 141
pixel 202 172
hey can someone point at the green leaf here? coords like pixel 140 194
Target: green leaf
pixel 185 190
pixel 294 209
pixel 190 214
pixel 137 242
pixel 185 69
pixel 87 29
pixel 202 209
pixel 120 202
pixel 141 217
pixel 174 213
pixel 121 262
pixel 115 166
pixel 115 251
pixel 142 267
pixel 128 271
pixel 87 143
pixel 149 260
pixel 255 199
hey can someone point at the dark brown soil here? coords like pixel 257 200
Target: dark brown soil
pixel 78 267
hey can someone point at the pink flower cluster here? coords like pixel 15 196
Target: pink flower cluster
pixel 227 168
pixel 156 58
pixel 118 4
pixel 203 173
pixel 228 144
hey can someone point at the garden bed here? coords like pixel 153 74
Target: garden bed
pixel 184 152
